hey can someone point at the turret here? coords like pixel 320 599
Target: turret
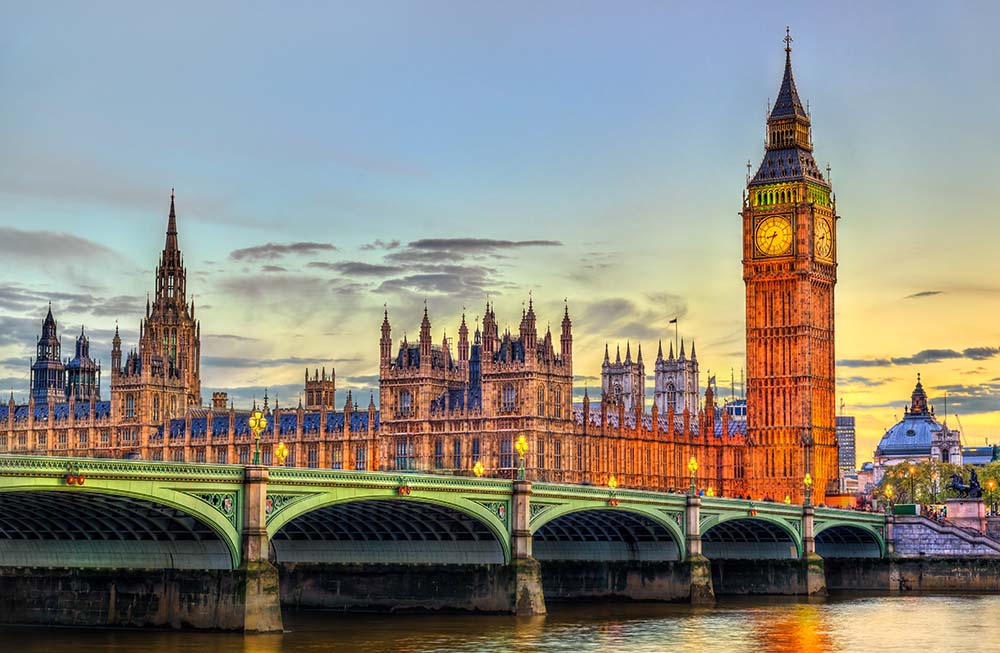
pixel 463 341
pixel 385 343
pixel 425 340
pixel 567 336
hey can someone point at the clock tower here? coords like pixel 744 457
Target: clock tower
pixel 790 269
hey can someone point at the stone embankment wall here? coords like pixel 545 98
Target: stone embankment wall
pixel 919 536
pixel 395 587
pixel 634 581
pixel 123 597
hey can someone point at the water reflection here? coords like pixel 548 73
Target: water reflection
pixel 885 624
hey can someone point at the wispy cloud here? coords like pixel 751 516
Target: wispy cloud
pixel 23 244
pixel 924 357
pixel 271 251
pixel 924 293
pixel 357 268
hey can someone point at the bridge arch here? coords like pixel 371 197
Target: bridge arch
pixel 840 540
pixel 424 529
pixel 745 537
pixel 600 532
pixel 100 525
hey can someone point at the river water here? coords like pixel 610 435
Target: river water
pixel 883 624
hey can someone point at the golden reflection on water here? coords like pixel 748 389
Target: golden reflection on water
pixel 801 629
pixel 886 624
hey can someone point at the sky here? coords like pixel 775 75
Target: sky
pixel 332 158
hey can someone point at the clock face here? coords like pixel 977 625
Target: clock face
pixel 774 236
pixel 824 238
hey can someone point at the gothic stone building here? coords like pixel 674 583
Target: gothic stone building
pixel 444 411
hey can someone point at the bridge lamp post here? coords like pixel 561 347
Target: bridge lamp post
pixel 478 469
pixel 888 495
pixel 522 449
pixel 281 453
pixel 693 468
pixel 990 486
pixel 913 472
pixel 257 423
pixel 808 482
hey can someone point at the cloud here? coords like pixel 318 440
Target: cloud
pixel 924 293
pixel 357 268
pixel 271 251
pixel 273 268
pixel 380 244
pixel 622 318
pixel 23 244
pixel 436 250
pixel 251 363
pixel 864 380
pixel 924 357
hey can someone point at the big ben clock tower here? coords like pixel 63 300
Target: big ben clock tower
pixel 790 269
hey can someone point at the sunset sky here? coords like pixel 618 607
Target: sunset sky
pixel 332 158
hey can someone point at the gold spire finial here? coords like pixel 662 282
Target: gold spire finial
pixel 788 40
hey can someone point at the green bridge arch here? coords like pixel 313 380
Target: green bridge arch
pixel 486 515
pixel 225 528
pixel 779 521
pixel 552 513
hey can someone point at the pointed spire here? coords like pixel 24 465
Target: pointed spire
pixel 659 352
pixel 607 359
pixel 639 358
pixel 694 356
pixel 681 357
pixel 628 351
pixel 171 244
pixel 618 354
pixel 788 103
pixel 671 357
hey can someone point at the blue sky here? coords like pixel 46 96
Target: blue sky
pixel 617 131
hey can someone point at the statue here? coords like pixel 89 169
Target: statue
pixel 971 491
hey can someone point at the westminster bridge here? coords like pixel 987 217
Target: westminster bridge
pixel 135 542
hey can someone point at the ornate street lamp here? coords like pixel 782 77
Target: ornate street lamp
pixel 522 448
pixel 913 473
pixel 693 468
pixel 257 423
pixel 478 469
pixel 807 482
pixel 612 482
pixel 990 486
pixel 888 495
pixel 281 453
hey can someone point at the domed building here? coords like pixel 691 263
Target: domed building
pixel 918 437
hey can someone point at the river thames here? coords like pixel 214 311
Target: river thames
pixel 874 623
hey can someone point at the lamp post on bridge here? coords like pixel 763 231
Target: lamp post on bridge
pixel 807 482
pixel 522 449
pixel 693 468
pixel 257 424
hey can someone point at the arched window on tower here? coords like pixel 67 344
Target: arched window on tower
pixel 557 403
pixel 509 400
pixel 170 285
pixel 129 405
pixel 541 402
pixel 405 402
pixel 156 409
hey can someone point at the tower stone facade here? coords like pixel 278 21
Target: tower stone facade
pixel 161 379
pixel 624 382
pixel 676 381
pixel 790 269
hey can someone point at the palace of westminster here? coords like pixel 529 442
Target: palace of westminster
pixel 443 411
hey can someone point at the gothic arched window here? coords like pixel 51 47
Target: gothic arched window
pixel 509 398
pixel 405 402
pixel 557 402
pixel 541 402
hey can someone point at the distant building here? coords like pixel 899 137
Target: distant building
pixel 918 437
pixel 847 458
pixel 983 455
